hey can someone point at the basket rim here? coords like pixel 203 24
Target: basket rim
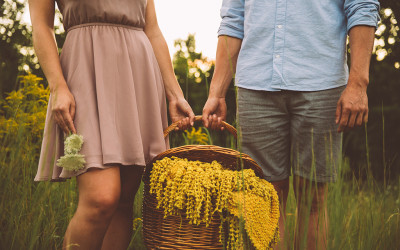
pixel 208 148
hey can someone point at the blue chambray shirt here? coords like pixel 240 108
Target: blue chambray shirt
pixel 294 44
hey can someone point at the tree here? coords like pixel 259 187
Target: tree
pixel 14 36
pixel 194 73
pixel 16 49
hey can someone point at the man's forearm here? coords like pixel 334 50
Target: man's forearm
pixel 227 53
pixel 361 40
pixel 352 107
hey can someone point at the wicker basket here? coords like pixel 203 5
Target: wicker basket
pixel 175 232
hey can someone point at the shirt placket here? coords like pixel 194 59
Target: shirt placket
pixel 279 42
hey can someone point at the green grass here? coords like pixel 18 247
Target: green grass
pixel 35 215
pixel 362 214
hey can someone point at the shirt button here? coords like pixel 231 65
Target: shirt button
pixel 277 56
pixel 279 26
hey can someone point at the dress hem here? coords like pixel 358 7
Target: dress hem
pixel 64 177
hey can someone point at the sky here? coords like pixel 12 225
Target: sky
pixel 178 18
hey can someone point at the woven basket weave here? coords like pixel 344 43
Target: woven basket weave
pixel 174 231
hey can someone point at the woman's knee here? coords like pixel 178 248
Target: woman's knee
pixel 100 207
pixel 99 193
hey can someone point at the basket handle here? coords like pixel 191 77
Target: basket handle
pixel 197 118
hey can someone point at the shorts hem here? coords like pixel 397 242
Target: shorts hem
pixel 281 177
pixel 322 179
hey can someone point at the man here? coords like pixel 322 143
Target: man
pixel 295 91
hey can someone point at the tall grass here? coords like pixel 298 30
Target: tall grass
pixel 363 214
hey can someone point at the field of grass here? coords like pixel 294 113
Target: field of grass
pixel 363 214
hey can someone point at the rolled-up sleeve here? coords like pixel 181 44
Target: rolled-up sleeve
pixel 232 14
pixel 361 12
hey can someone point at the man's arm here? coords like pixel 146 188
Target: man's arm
pixel 215 108
pixel 231 33
pixel 352 108
pixel 362 19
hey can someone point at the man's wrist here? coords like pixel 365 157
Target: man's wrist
pixel 217 91
pixel 358 80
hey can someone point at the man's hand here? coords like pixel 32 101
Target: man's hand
pixel 214 113
pixel 352 107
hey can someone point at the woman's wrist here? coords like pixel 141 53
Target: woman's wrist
pixel 173 91
pixel 173 97
pixel 58 85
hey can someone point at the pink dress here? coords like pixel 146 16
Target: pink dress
pixel 111 70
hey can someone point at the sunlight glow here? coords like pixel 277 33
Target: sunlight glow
pixel 179 18
pixel 388 12
pixel 381 54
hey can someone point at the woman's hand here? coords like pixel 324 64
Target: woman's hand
pixel 63 109
pixel 180 110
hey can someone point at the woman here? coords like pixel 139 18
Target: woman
pixel 107 85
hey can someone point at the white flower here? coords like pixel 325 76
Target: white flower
pixel 72 162
pixel 73 144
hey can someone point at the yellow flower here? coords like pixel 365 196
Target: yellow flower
pixel 196 137
pixel 198 190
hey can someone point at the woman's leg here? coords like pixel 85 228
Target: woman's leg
pixel 99 193
pixel 119 232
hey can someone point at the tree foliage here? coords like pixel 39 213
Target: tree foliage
pixel 194 73
pixel 16 50
pixel 14 35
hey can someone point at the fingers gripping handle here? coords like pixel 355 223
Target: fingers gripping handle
pixel 227 126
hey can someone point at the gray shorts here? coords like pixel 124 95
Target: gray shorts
pixel 291 130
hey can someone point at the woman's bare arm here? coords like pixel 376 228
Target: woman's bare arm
pixel 63 103
pixel 178 106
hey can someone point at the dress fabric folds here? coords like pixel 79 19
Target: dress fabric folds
pixel 111 70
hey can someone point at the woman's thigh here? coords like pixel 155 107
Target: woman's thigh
pixel 99 188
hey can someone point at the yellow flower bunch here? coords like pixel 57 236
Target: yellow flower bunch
pixel 196 137
pixel 22 115
pixel 201 189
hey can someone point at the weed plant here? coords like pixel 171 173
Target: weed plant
pixel 363 213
